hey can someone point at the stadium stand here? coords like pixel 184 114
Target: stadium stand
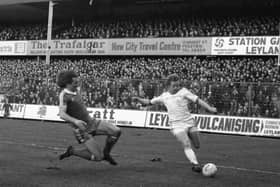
pixel 150 28
pixel 238 86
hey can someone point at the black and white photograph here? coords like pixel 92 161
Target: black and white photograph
pixel 139 93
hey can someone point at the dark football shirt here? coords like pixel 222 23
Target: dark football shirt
pixel 75 106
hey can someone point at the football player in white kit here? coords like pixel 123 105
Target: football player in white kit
pixel 183 126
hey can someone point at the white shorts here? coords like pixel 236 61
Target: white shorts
pixel 180 126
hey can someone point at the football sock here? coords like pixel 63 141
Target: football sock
pixel 110 142
pixel 191 155
pixel 110 159
pixel 67 153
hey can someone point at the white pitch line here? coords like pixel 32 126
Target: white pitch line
pixel 32 145
pixel 62 149
pixel 249 170
pixel 241 169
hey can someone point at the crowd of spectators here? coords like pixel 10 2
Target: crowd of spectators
pixel 23 32
pixel 240 86
pixel 139 28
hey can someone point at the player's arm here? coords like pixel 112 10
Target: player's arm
pixel 142 100
pixel 189 95
pixel 155 100
pixel 206 106
pixel 63 115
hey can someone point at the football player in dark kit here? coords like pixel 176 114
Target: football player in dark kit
pixel 7 107
pixel 73 110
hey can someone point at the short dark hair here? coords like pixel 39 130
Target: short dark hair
pixel 171 78
pixel 65 77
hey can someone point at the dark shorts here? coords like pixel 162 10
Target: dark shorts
pixel 82 136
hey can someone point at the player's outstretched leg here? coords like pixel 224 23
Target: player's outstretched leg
pixel 90 151
pixel 183 137
pixel 113 133
pixel 69 151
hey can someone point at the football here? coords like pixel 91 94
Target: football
pixel 209 170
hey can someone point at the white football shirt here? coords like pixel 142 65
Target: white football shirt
pixel 176 104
